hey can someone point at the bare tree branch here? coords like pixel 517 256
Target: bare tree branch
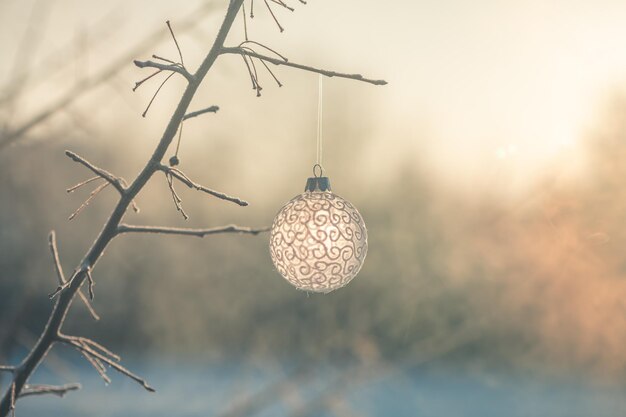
pixel 80 184
pixel 212 109
pixel 179 175
pixel 78 272
pixel 112 179
pixel 166 67
pixel 275 61
pixel 231 228
pixel 96 354
pixel 85 203
pixel 59 390
pixel 5 368
pixel 61 276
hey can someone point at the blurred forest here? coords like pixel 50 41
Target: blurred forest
pixel 530 281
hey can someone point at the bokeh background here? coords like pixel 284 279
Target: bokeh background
pixel 489 172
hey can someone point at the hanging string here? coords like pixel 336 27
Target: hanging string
pixel 174 159
pixel 319 121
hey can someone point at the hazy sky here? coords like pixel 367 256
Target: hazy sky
pixel 477 89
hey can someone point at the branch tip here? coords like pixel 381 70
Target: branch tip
pixel 182 177
pixel 41 389
pixel 275 61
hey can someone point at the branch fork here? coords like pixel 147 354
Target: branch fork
pixel 177 68
pixel 171 173
pixel 83 270
pixel 117 182
pixel 97 355
pixel 54 251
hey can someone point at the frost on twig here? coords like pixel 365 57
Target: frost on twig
pixel 118 182
pixel 168 66
pixel 182 177
pixel 85 203
pixel 41 389
pixel 177 68
pixel 231 228
pixel 171 173
pixel 98 356
pixel 110 178
pixel 84 269
pixel 276 61
pixel 52 241
pixel 211 109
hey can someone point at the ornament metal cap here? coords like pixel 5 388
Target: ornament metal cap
pixel 317 184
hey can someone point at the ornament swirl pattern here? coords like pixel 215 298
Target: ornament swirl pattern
pixel 318 241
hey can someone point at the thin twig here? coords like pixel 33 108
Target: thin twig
pixel 265 47
pixel 166 67
pixel 85 203
pixel 256 75
pixel 140 82
pixel 254 82
pixel 231 228
pixel 93 361
pixel 112 179
pixel 52 241
pixel 179 175
pixel 59 390
pixel 358 77
pixel 95 345
pixel 5 368
pixel 271 73
pixel 245 24
pixel 212 109
pixel 175 196
pixel 273 16
pixel 98 366
pixel 112 363
pixel 180 54
pixel 80 184
pixel 165 59
pixel 155 94
pixel 283 4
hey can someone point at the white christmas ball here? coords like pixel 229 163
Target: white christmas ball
pixel 318 241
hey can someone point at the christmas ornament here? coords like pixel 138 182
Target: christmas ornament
pixel 318 240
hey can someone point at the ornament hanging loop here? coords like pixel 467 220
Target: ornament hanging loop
pixel 317 168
